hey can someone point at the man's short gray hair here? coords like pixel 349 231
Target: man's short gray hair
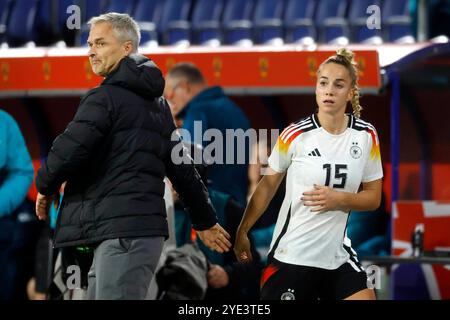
pixel 124 26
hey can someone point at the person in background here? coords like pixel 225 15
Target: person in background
pixel 191 99
pixel 16 176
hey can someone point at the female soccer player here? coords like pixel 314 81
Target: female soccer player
pixel 326 157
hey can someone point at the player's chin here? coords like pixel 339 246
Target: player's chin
pixel 328 107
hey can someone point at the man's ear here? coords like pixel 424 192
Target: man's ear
pixel 128 47
pixel 188 87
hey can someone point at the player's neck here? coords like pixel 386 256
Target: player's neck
pixel 334 124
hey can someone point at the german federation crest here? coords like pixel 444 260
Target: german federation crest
pixel 288 295
pixel 355 151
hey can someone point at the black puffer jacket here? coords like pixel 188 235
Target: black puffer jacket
pixel 114 156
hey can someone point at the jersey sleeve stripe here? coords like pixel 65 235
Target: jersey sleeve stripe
pixel 292 127
pixel 362 124
pixel 293 131
pixel 306 126
pixel 375 151
pixel 283 145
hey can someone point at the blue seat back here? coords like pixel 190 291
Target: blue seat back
pixel 148 10
pixel 237 20
pixel 299 20
pixel 268 9
pixel 5 6
pixel 20 28
pixel 267 20
pixel 147 14
pixel 299 9
pixel 357 17
pixel 91 8
pixel 395 8
pixel 330 9
pixel 206 17
pixel 206 11
pixel 396 19
pixel 174 10
pixel 45 24
pixel 174 20
pixel 358 9
pixel 236 10
pixel 120 6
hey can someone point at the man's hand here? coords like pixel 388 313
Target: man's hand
pixel 215 238
pixel 322 199
pixel 217 277
pixel 43 206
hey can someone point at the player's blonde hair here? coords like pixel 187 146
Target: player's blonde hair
pixel 345 58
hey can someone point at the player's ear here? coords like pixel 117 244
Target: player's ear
pixel 350 95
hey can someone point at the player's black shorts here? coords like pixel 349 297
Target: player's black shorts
pixel 288 282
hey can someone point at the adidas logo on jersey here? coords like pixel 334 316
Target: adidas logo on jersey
pixel 315 153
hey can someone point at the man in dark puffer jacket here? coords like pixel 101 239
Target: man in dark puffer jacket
pixel 113 157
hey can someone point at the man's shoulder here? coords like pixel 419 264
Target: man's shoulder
pixel 6 118
pixel 210 96
pixel 100 90
pixel 95 95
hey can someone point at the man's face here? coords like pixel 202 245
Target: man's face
pixel 106 50
pixel 177 94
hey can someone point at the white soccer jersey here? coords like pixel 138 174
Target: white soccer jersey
pixel 311 155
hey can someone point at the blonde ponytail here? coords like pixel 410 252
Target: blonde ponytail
pixel 355 103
